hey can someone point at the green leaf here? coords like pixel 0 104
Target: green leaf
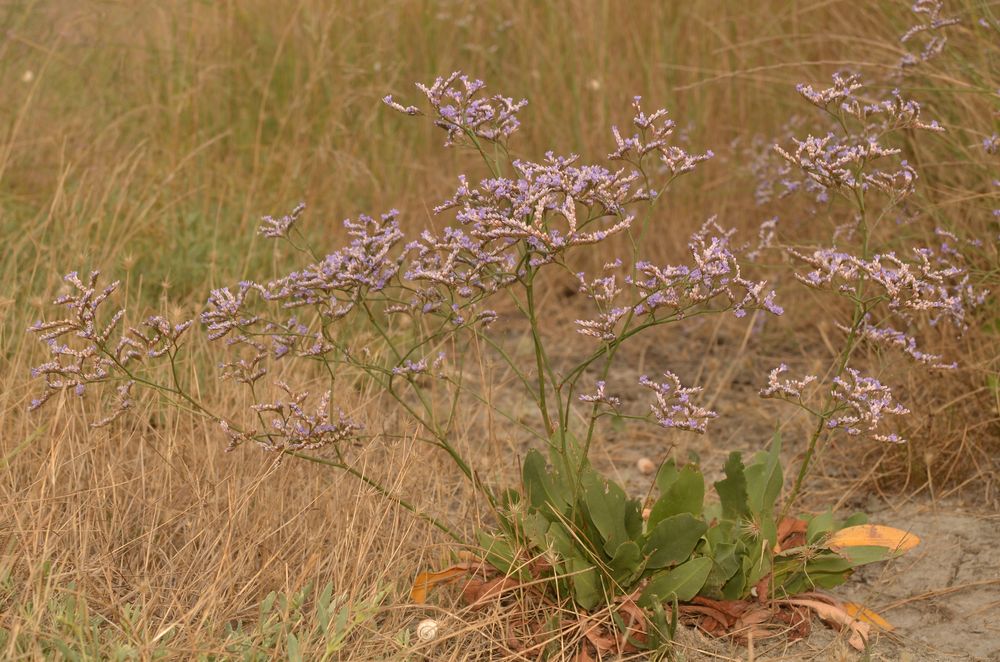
pixel 725 564
pixel 605 504
pixel 680 583
pixel 586 583
pixel 857 519
pixel 673 539
pixel 542 488
pixel 828 563
pixel 499 553
pixel 764 479
pixel 686 494
pixel 819 526
pixel 863 554
pixel 666 476
pixel 292 652
pixel 535 526
pixel 736 587
pixel 733 489
pixel 627 564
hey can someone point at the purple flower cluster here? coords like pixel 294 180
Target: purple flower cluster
pixel 715 272
pixel 294 428
pixel 463 114
pixel 932 24
pixel 843 161
pixel 97 357
pixel 928 283
pixel 653 136
pixel 277 228
pixel 334 285
pixel 866 401
pixel 673 407
pixel 600 396
pixel 889 337
pixel 785 388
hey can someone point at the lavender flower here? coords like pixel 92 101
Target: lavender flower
pixel 295 429
pixel 715 272
pixel 889 337
pixel 931 25
pixel 334 285
pixel 278 228
pixel 463 114
pixel 653 137
pixel 866 401
pixel 673 407
pixel 601 397
pixel 785 388
pixel 928 283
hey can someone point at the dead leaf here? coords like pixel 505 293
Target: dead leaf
pixel 873 535
pixel 836 615
pixel 868 616
pixel 425 581
pixel 791 533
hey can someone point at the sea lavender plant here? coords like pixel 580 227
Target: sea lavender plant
pixel 887 292
pixel 402 317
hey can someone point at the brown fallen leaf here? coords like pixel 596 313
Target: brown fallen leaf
pixel 836 615
pixel 868 616
pixel 873 535
pixel 425 581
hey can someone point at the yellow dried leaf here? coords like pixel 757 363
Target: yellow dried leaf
pixel 873 535
pixel 425 581
pixel 867 615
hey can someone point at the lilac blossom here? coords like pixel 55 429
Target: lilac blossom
pixel 294 428
pixel 866 401
pixel 931 23
pixel 334 284
pixel 276 228
pixel 98 356
pixel 462 113
pixel 715 272
pixel 601 397
pixel 926 283
pixel 653 137
pixel 673 407
pixel 785 388
pixel 889 337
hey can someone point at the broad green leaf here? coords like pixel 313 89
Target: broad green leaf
pixel 819 526
pixel 627 564
pixel 764 478
pixel 535 526
pixel 733 488
pixel 586 583
pixel 542 488
pixel 499 553
pixel 605 503
pixel 828 563
pixel 736 587
pixel 686 494
pixel 680 583
pixel 666 476
pixel 863 554
pixel 725 565
pixel 673 540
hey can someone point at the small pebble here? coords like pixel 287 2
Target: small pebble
pixel 645 466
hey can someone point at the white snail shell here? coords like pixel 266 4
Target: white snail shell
pixel 427 629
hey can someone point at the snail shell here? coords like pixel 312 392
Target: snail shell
pixel 427 629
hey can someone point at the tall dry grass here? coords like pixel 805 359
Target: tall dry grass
pixel 146 138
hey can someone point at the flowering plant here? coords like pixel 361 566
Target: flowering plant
pixel 402 317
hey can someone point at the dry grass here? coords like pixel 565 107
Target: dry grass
pixel 145 138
